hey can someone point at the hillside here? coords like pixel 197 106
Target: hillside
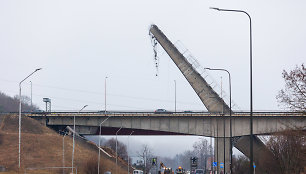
pixel 43 147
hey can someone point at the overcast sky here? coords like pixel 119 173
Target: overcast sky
pixel 79 43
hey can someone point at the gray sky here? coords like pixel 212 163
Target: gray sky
pixel 79 43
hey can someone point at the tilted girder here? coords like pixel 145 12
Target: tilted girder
pixel 208 96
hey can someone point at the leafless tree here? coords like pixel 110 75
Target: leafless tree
pixel 202 150
pixel 289 152
pixel 146 155
pixel 240 164
pixel 10 104
pixel 121 148
pixel 294 94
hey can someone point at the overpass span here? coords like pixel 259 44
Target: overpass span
pixel 202 124
pixel 179 123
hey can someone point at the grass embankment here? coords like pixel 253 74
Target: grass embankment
pixel 42 147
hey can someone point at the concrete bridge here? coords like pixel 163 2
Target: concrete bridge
pixel 202 124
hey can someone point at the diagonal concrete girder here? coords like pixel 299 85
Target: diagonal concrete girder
pixel 212 101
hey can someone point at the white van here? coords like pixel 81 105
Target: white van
pixel 137 172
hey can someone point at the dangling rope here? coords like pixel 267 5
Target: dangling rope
pixel 156 58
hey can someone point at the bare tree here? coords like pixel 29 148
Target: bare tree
pixel 146 155
pixel 294 94
pixel 9 104
pixel 240 164
pixel 289 152
pixel 201 150
pixel 121 148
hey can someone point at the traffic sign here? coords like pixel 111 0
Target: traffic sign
pixel 221 165
pixel 215 164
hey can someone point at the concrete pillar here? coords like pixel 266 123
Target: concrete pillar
pixel 219 153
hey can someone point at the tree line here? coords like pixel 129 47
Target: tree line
pixel 11 104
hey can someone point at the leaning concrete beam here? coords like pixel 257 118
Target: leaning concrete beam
pixel 208 96
pixel 259 148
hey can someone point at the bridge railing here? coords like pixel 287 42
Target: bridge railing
pixel 152 114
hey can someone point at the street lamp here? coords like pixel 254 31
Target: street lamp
pixel 100 132
pixel 174 95
pixel 19 142
pixel 74 137
pixel 128 152
pixel 105 95
pixel 64 134
pixel 230 91
pixel 31 96
pixel 116 149
pixel 251 84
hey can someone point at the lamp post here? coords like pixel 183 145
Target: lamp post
pixel 100 132
pixel 105 95
pixel 19 131
pixel 128 152
pixel 230 91
pixel 64 134
pixel 224 165
pixel 116 149
pixel 251 84
pixel 72 161
pixel 31 95
pixel 174 95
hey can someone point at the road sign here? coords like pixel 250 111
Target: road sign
pixel 215 164
pixel 221 165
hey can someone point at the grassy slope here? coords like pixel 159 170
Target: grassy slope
pixel 42 147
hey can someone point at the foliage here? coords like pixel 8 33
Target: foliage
pixel 294 94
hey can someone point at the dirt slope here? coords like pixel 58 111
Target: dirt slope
pixel 43 147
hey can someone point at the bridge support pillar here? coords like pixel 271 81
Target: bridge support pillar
pixel 219 154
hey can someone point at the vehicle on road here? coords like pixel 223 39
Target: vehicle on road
pixel 188 111
pixel 162 111
pixel 199 171
pixel 137 172
pixel 164 169
pixel 180 170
